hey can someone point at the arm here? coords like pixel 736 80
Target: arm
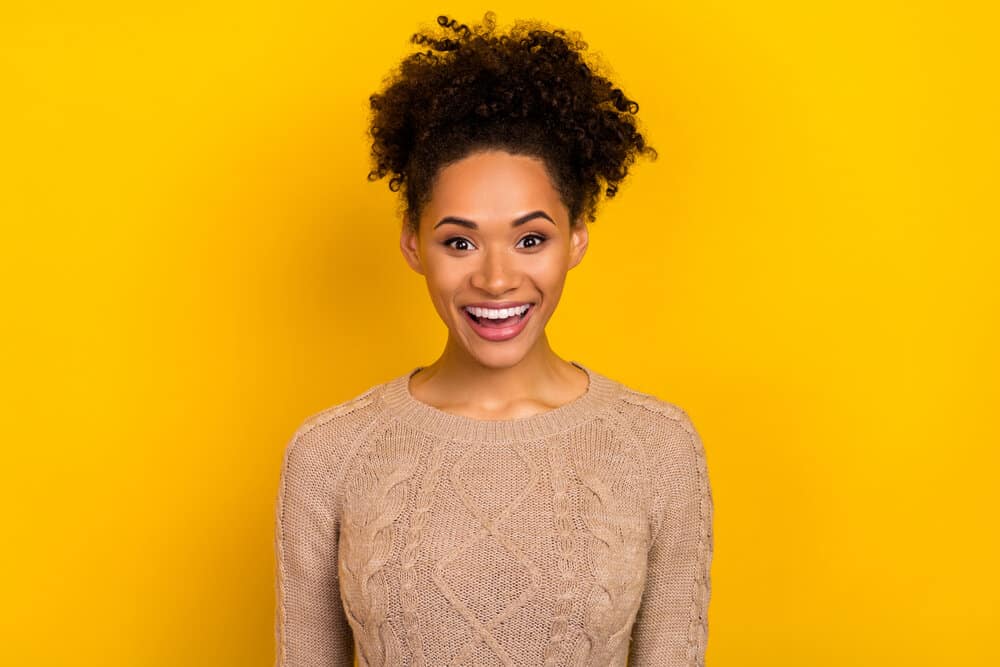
pixel 311 629
pixel 671 628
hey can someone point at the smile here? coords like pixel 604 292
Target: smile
pixel 498 324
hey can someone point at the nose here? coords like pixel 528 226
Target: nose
pixel 496 273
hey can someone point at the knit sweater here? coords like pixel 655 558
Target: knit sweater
pixel 406 535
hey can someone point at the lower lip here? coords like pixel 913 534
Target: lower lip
pixel 499 333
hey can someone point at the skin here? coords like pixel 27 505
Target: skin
pixel 474 377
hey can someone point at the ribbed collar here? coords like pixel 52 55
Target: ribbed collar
pixel 601 392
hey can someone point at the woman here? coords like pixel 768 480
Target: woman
pixel 500 506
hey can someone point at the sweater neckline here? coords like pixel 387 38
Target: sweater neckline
pixel 601 391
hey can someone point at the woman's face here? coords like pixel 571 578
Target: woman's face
pixel 495 233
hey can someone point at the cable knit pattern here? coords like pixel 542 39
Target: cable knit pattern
pixel 693 509
pixel 563 522
pixel 406 535
pixel 407 592
pixel 619 571
pixel 374 502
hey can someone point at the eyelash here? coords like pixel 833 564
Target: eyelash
pixel 448 242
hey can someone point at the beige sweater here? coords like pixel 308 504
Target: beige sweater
pixel 406 535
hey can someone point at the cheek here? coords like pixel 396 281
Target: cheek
pixel 443 284
pixel 549 276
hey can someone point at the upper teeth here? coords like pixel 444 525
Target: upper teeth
pixel 500 314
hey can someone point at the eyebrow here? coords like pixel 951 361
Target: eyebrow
pixel 471 225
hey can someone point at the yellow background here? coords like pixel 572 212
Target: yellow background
pixel 193 261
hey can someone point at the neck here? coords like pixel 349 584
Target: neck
pixel 461 382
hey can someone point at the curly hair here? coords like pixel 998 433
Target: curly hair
pixel 530 92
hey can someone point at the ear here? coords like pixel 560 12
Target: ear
pixel 578 241
pixel 409 245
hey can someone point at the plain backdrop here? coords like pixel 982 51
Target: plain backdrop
pixel 193 261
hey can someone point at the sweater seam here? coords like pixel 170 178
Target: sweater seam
pixel 699 460
pixel 669 494
pixel 650 486
pixel 335 478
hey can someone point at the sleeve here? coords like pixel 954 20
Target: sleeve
pixel 311 628
pixel 671 628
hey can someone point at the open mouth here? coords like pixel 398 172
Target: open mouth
pixel 498 323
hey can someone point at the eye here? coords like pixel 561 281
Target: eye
pixel 454 239
pixel 535 241
pixel 540 240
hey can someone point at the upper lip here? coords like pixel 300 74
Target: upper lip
pixel 497 304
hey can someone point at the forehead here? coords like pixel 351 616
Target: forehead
pixel 494 184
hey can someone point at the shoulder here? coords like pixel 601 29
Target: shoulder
pixel 666 434
pixel 675 456
pixel 323 439
pixel 352 411
pixel 656 415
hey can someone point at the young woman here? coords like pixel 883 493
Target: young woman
pixel 501 505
